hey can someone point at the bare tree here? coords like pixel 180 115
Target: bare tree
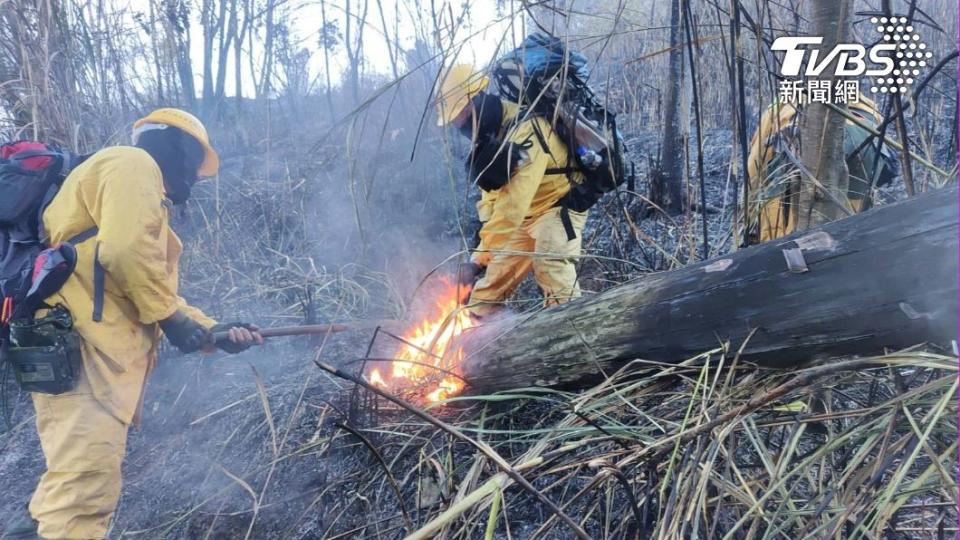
pixel 216 38
pixel 391 47
pixel 232 22
pixel 149 25
pixel 668 181
pixel 264 86
pixel 238 38
pixel 178 18
pixel 822 194
pixel 354 46
pixel 328 41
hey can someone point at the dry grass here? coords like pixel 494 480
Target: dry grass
pixel 709 448
pixel 859 448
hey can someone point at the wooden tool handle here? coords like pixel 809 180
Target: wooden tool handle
pixel 282 331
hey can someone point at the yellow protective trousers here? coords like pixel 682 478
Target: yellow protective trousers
pixel 83 445
pixel 539 244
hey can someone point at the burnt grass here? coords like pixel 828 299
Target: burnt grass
pixel 267 438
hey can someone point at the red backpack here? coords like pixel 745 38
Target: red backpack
pixel 31 174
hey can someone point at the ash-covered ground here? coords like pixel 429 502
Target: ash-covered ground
pixel 204 432
pixel 234 446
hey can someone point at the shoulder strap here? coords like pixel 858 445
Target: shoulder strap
pixel 541 139
pixel 84 236
pixel 99 274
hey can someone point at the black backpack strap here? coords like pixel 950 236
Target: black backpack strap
pixel 541 139
pixel 568 170
pixel 567 224
pixel 98 285
pixel 84 236
pixel 99 274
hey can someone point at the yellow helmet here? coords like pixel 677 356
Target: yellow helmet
pixel 458 85
pixel 191 125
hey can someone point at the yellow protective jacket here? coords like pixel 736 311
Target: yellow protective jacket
pixel 120 191
pixel 530 192
pixel 777 216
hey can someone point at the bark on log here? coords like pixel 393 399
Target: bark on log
pixel 884 278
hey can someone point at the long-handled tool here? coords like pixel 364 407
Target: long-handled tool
pixel 308 330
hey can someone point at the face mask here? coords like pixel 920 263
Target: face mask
pixel 466 128
pixel 178 190
pixel 179 157
pixel 489 111
pixel 485 118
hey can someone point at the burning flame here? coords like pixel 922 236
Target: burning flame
pixel 376 379
pixel 427 346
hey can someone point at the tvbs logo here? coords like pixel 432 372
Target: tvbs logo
pixel 851 58
pixel 893 63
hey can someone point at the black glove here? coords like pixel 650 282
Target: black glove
pixel 468 273
pixel 223 341
pixel 185 333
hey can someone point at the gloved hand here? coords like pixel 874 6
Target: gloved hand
pixel 185 333
pixel 237 336
pixel 468 273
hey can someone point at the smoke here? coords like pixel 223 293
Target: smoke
pixel 353 212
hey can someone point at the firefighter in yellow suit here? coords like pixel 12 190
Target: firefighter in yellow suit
pixel 523 227
pixel 124 193
pixel 773 205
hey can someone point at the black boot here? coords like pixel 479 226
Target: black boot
pixel 21 527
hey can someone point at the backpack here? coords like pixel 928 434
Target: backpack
pixel 43 353
pixel 549 81
pixel 31 174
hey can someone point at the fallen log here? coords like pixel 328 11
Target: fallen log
pixel 886 278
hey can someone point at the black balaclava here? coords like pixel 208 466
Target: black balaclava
pixel 490 163
pixel 178 155
pixel 486 115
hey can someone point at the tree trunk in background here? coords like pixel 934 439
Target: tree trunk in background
pixel 231 19
pixel 821 129
pixel 213 19
pixel 238 51
pixel 669 191
pixel 155 47
pixel 352 68
pixel 181 28
pixel 392 48
pixel 859 291
pixel 354 45
pixel 98 60
pixel 326 60
pixel 266 74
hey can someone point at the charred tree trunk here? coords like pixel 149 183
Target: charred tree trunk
pixel 862 291
pixel 668 189
pixel 821 129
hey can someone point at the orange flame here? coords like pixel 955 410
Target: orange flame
pixel 376 379
pixel 427 346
